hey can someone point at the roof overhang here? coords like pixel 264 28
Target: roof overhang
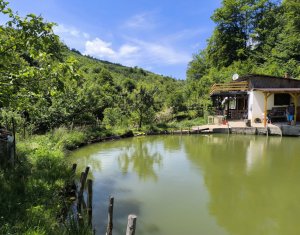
pixel 279 90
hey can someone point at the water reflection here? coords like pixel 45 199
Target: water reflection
pixel 140 157
pixel 253 182
pixel 212 184
pixel 87 156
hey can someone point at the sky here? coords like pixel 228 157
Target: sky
pixel 157 35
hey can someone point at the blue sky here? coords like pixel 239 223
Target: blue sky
pixel 160 36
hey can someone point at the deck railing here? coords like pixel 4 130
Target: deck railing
pixel 231 86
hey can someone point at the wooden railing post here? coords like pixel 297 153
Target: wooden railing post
pixel 131 225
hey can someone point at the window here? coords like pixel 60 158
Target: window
pixel 282 99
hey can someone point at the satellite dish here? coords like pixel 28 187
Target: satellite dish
pixel 235 76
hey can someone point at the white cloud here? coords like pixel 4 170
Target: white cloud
pixel 62 29
pixel 99 48
pixel 86 35
pixel 136 53
pixel 128 50
pixel 141 21
pixel 71 36
pixel 159 53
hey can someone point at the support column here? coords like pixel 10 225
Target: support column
pixel 266 94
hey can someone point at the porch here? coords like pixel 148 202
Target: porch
pixel 230 100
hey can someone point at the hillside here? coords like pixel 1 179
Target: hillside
pixel 46 85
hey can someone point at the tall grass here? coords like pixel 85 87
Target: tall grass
pixel 32 193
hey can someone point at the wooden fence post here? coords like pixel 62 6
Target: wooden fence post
pixel 74 166
pixel 90 201
pixel 80 195
pixel 131 225
pixel 83 180
pixel 110 216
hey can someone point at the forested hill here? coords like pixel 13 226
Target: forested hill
pixel 47 85
pixel 90 65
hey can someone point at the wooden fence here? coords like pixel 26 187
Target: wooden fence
pixel 85 209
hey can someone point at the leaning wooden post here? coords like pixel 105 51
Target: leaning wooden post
pixel 131 225
pixel 79 194
pixel 110 216
pixel 83 180
pixel 74 166
pixel 86 172
pixel 90 201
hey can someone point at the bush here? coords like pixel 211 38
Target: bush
pixel 112 117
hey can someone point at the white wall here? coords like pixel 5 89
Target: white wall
pixel 256 104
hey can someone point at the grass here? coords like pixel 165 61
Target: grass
pixel 185 124
pixel 32 193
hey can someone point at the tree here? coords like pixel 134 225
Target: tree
pixel 266 28
pixel 229 40
pixel 198 67
pixel 143 103
pixel 287 49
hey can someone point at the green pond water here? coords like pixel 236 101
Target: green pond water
pixel 197 185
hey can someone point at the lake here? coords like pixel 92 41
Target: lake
pixel 196 184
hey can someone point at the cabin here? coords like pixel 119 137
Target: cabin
pixel 254 97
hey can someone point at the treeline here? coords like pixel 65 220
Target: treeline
pixel 250 37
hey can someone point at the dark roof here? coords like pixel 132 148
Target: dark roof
pixel 264 81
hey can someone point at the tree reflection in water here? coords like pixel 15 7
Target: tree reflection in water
pixel 253 182
pixel 141 158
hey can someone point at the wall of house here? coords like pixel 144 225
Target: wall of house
pixel 256 104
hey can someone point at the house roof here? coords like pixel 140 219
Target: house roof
pixel 257 82
pixel 264 81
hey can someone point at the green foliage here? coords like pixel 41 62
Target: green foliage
pixel 143 106
pixel 251 36
pixel 112 117
pixel 65 139
pixel 30 193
